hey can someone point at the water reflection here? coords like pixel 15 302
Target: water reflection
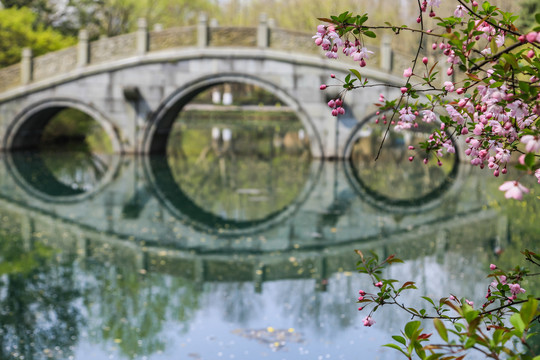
pixel 134 272
pixel 239 169
pixel 393 179
pixel 39 313
pixel 61 176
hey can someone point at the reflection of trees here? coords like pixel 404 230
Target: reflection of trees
pixel 392 174
pixel 130 309
pixel 258 171
pixel 37 296
pixel 78 169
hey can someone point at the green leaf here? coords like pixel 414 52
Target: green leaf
pixel 399 339
pixel 370 34
pixel 441 329
pixel 511 59
pixel 356 73
pixel 411 327
pixel 524 86
pixel 529 310
pixel 394 346
pixel 537 17
pixel 469 343
pixel 518 324
pixel 529 160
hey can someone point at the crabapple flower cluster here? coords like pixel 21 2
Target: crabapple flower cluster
pixel 505 311
pixel 492 98
pixel 331 42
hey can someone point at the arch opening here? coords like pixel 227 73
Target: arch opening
pixel 399 178
pixel 62 152
pixel 236 154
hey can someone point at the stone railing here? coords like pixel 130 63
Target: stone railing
pixel 143 41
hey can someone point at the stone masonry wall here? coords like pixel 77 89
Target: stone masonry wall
pixel 173 38
pixel 10 77
pixel 117 47
pixel 58 62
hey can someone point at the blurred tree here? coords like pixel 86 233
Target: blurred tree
pixel 19 28
pixel 526 16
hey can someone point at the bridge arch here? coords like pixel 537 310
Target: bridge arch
pixel 182 207
pixel 156 134
pixel 451 184
pixel 27 127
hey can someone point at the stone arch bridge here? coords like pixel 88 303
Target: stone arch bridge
pixel 135 84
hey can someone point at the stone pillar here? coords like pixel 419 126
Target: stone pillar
pixel 258 277
pixel 83 57
pixel 227 95
pixel 142 36
pixel 386 53
pixel 202 31
pixel 263 32
pixel 26 66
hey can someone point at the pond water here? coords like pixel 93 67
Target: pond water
pixel 236 245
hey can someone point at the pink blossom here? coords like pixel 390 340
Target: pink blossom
pixel 501 279
pixel 532 143
pixel 499 40
pixel 492 266
pixel 429 116
pixel 434 3
pixel 531 37
pixel 513 189
pixel 460 11
pixel 449 86
pixel 425 60
pixel 537 174
pixel 379 284
pixel 516 289
pixel 408 72
pixel 368 321
pixel 471 303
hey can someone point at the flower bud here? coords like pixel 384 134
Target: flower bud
pixel 531 37
pixel 323 86
pixel 425 60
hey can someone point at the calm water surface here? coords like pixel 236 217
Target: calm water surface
pixel 234 249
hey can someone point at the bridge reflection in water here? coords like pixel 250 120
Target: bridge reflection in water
pixel 206 263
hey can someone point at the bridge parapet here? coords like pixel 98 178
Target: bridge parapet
pixel 172 38
pixel 58 62
pixel 10 76
pixel 142 41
